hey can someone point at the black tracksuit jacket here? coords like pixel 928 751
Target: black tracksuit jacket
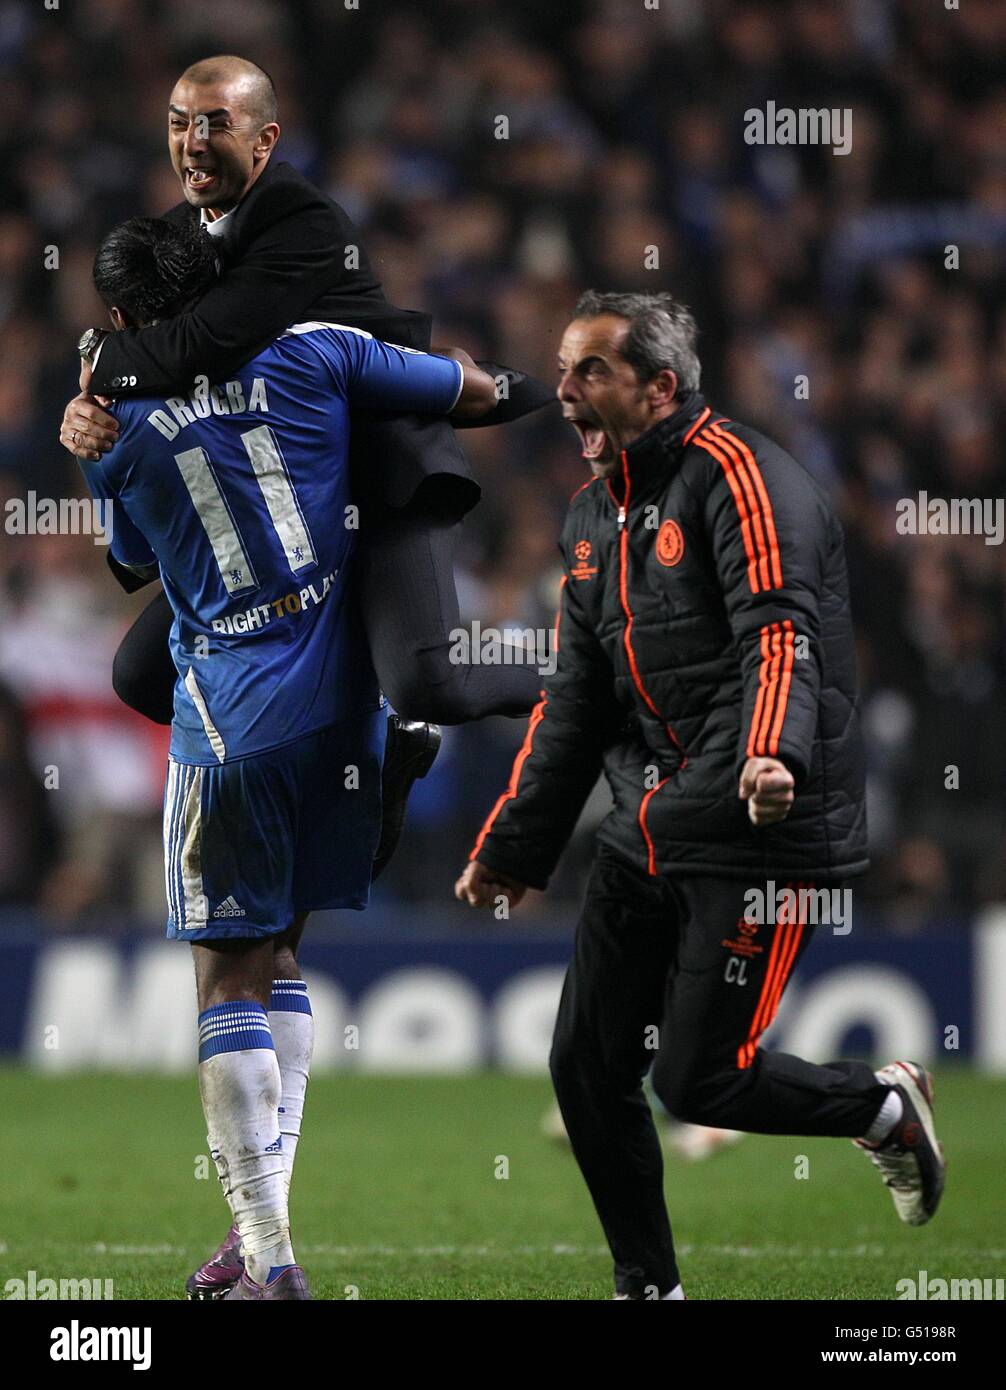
pixel 704 619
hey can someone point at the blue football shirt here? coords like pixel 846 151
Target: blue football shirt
pixel 240 493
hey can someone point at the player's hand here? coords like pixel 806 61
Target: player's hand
pixel 88 431
pixel 480 887
pixel 767 787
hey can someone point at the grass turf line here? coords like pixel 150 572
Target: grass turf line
pixel 395 1195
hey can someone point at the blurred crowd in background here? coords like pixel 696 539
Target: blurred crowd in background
pixel 625 132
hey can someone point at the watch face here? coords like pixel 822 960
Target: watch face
pixel 86 341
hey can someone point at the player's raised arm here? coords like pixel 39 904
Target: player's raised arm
pixel 478 389
pixel 383 376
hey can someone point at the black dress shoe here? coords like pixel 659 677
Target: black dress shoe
pixel 408 754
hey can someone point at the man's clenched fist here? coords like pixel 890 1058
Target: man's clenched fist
pixel 479 886
pixel 767 787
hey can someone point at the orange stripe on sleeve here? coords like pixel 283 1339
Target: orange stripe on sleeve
pixel 775 676
pixel 784 685
pixel 729 472
pixel 766 505
pixel 772 690
pixel 754 506
pixel 763 690
pixel 754 499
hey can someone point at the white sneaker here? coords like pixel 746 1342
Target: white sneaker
pixel 911 1159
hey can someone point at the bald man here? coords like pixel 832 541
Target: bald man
pixel 288 254
pixel 285 248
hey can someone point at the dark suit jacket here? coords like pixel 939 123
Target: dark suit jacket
pixel 284 261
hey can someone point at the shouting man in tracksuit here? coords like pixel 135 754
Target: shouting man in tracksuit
pixel 705 663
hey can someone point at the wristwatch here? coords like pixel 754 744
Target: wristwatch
pixel 89 342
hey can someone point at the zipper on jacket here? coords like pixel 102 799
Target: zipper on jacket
pixel 623 589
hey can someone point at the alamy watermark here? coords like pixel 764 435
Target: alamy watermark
pixel 956 516
pixel 34 1286
pixel 937 1290
pixel 812 906
pixel 83 1343
pixel 59 516
pixel 509 646
pixel 782 125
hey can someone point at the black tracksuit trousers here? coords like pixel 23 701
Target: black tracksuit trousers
pixel 664 975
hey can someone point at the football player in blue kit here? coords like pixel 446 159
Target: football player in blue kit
pixel 239 495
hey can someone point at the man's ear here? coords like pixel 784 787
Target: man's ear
pixel 118 318
pixel 265 141
pixel 663 388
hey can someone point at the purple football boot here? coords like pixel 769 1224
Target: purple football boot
pixel 290 1286
pixel 222 1270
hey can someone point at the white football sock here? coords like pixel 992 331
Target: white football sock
pixel 292 1028
pixel 239 1082
pixel 886 1118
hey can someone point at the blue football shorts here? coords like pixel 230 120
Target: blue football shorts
pixel 252 844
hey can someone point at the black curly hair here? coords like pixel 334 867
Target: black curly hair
pixel 152 269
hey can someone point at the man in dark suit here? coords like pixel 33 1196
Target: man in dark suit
pixel 288 254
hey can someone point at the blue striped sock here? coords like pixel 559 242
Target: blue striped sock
pixel 233 1027
pixel 241 1084
pixel 289 996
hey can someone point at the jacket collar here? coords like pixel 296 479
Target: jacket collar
pixel 659 450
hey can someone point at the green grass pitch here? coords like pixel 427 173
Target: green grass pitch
pixel 396 1195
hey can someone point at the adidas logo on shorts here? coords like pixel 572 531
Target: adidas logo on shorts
pixel 229 908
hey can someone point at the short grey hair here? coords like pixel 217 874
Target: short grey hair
pixel 661 333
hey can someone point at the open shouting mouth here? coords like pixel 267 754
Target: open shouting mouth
pixel 593 440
